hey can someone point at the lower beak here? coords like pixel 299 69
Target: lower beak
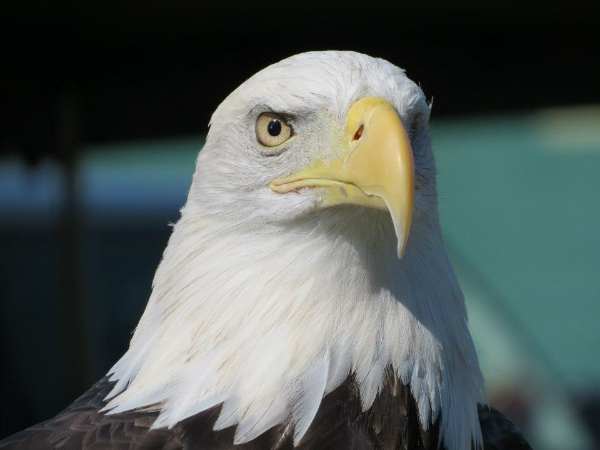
pixel 376 169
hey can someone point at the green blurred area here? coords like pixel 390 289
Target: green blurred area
pixel 519 201
pixel 520 208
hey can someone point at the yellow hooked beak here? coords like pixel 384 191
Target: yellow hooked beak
pixel 376 169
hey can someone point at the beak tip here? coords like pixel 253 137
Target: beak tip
pixel 401 249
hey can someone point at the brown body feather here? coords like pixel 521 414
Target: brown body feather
pixel 391 423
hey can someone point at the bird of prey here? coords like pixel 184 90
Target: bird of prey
pixel 305 298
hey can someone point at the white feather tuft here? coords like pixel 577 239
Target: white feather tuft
pixel 308 396
pixel 260 416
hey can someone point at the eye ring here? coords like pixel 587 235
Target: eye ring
pixel 272 129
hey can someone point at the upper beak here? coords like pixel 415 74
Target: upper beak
pixel 376 168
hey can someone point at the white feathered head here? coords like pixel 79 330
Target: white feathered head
pixel 334 128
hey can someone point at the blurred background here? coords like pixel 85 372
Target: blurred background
pixel 104 107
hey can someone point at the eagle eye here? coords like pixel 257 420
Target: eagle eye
pixel 272 129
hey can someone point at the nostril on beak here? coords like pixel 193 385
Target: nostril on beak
pixel 358 133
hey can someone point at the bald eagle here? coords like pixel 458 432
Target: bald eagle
pixel 305 298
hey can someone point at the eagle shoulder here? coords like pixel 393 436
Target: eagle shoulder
pixel 82 426
pixel 499 432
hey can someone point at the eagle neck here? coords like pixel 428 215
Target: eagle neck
pixel 268 319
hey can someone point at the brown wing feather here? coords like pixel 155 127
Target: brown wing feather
pixel 82 426
pixel 340 424
pixel 391 423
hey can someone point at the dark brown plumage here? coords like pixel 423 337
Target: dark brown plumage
pixel 391 423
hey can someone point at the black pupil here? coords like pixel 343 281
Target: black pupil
pixel 274 127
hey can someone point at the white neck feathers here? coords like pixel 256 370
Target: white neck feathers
pixel 268 319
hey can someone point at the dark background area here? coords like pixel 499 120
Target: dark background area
pixel 80 73
pixel 137 69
